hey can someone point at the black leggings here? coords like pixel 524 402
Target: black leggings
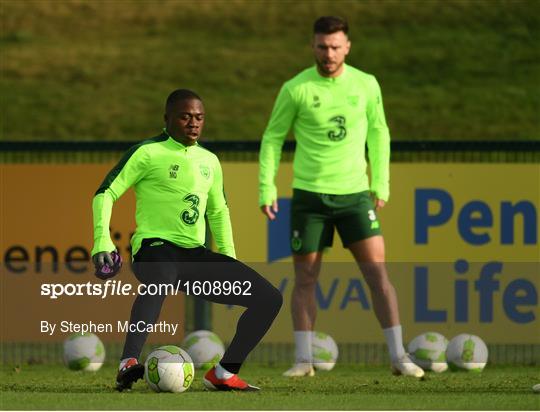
pixel 161 262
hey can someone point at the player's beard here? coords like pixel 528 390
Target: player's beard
pixel 328 72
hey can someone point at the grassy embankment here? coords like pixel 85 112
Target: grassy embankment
pixel 84 70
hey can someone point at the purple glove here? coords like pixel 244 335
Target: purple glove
pixel 107 271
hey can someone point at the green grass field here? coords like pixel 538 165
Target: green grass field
pixel 101 70
pixel 344 388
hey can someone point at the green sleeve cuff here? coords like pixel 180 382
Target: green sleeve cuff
pixel 229 252
pixel 267 195
pixel 103 245
pixel 381 191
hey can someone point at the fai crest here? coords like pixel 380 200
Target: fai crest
pixel 205 171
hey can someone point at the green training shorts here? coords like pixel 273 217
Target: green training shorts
pixel 314 216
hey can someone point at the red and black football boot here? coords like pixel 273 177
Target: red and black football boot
pixel 131 372
pixel 234 383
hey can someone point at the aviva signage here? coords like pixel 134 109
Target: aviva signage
pixel 461 244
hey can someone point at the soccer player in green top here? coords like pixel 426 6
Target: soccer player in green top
pixel 333 110
pixel 177 182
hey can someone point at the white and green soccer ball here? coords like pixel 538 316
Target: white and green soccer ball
pixel 84 352
pixel 467 353
pixel 428 351
pixel 169 369
pixel 324 351
pixel 205 348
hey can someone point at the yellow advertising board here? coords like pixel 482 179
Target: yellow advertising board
pixel 461 242
pixel 474 211
pixel 461 239
pixel 46 238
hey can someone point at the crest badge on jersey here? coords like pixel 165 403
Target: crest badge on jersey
pixel 205 171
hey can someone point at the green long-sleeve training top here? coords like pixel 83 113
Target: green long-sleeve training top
pixel 175 185
pixel 331 118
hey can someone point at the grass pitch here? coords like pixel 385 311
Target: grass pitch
pixel 449 69
pixel 346 387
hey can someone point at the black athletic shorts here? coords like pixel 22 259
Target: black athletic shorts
pixel 198 271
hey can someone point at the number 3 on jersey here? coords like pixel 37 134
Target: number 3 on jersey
pixel 191 215
pixel 341 131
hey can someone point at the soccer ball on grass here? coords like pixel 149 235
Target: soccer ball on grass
pixel 428 351
pixel 169 369
pixel 83 352
pixel 467 352
pixel 324 351
pixel 204 347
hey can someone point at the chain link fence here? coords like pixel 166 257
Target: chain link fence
pixel 21 353
pixel 243 151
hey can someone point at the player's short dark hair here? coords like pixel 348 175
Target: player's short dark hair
pixel 330 25
pixel 181 95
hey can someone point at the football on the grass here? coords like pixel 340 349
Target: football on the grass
pixel 169 369
pixel 84 352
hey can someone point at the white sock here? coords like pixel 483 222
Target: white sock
pixel 302 339
pixel 123 363
pixel 394 340
pixel 222 373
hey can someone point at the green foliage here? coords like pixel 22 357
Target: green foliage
pixel 456 69
pixel 344 388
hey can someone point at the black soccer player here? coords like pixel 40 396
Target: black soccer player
pixel 176 183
